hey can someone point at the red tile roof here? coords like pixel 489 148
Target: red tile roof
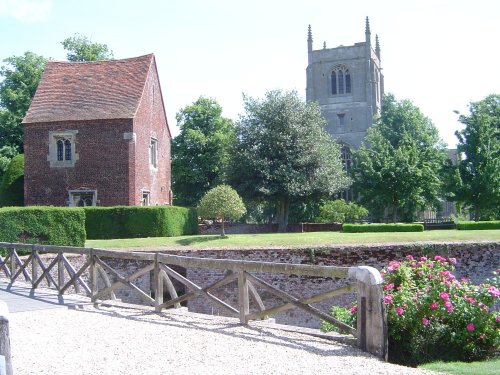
pixel 71 91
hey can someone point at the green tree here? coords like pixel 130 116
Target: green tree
pixel 479 143
pixel 283 153
pixel 81 48
pixel 20 78
pixel 221 202
pixel 12 183
pixel 397 168
pixel 339 211
pixel 200 153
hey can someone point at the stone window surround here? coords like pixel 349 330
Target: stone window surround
pixel 344 68
pixel 153 153
pixel 145 198
pixel 54 136
pixel 72 193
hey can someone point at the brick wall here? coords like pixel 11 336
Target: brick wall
pixel 102 163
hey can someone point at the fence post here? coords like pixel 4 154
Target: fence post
pixel 60 271
pixel 158 285
pixel 93 277
pixel 243 300
pixel 372 316
pixel 34 266
pixel 5 357
pixel 12 251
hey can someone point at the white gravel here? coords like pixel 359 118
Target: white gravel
pixel 123 341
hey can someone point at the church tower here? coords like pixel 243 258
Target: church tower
pixel 348 85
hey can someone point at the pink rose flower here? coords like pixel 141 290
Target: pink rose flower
pixel 409 257
pixel 470 327
pixel 453 260
pixel 388 286
pixel 498 318
pixel 433 306
pixel 388 298
pixel 449 306
pixel 425 321
pixel 444 296
pixel 495 292
pixel 399 311
pixel 423 259
pixel 354 309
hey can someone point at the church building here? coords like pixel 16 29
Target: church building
pixel 348 85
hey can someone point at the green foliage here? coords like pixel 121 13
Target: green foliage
pixel 433 316
pixel 338 211
pixel 398 166
pixel 346 316
pixel 20 76
pixel 221 202
pixel 81 48
pixel 283 153
pixel 60 226
pixel 478 225
pixel 364 228
pixel 12 185
pixel 479 169
pixel 200 153
pixel 132 222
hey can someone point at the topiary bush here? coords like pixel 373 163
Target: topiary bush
pixel 133 222
pixel 60 226
pixel 478 225
pixel 12 184
pixel 363 228
pixel 433 316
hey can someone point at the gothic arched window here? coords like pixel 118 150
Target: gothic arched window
pixel 345 153
pixel 341 80
pixel 60 150
pixel 67 149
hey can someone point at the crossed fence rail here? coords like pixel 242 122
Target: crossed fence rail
pixel 94 278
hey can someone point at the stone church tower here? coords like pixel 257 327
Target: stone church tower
pixel 348 85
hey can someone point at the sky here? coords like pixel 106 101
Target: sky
pixel 440 54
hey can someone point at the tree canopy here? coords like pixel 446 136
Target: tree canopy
pixel 12 183
pixel 283 152
pixel 81 48
pixel 397 169
pixel 200 153
pixel 221 202
pixel 479 168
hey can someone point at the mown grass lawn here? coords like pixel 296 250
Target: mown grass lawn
pixel 298 239
pixel 491 367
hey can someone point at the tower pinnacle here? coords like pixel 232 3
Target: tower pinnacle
pixel 377 46
pixel 367 27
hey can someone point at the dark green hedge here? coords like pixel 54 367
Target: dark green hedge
pixel 478 225
pixel 363 228
pixel 60 226
pixel 12 184
pixel 132 222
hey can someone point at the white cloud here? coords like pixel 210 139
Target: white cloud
pixel 26 10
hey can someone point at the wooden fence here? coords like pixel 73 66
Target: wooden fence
pixel 99 280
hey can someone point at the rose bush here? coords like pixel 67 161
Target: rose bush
pixel 434 316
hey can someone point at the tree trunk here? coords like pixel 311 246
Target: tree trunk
pixel 223 234
pixel 477 212
pixel 283 211
pixel 394 214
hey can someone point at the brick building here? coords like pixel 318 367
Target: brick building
pixel 96 133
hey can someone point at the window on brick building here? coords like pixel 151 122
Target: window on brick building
pixel 146 198
pixel 82 198
pixel 340 80
pixel 153 153
pixel 62 148
pixel 341 117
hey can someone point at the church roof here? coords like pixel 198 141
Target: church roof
pixel 75 91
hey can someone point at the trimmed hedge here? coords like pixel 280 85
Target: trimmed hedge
pixel 363 228
pixel 133 222
pixel 59 226
pixel 478 225
pixel 12 184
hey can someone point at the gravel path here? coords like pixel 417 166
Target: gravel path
pixel 123 341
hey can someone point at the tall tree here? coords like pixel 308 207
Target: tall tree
pixel 21 75
pixel 200 153
pixel 81 48
pixel 479 144
pixel 397 168
pixel 284 154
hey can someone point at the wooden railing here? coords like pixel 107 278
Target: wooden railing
pixel 94 279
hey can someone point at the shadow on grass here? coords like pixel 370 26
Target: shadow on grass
pixel 193 240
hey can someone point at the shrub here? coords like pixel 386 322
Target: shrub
pixel 363 228
pixel 338 211
pixel 433 316
pixel 132 222
pixel 12 186
pixel 221 202
pixel 60 226
pixel 478 225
